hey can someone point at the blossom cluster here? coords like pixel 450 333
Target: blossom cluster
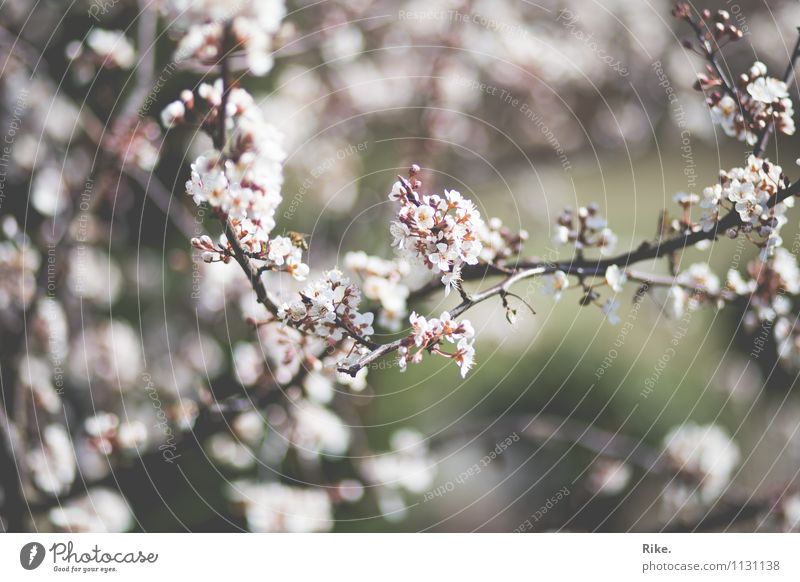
pixel 754 101
pixel 290 354
pixel 328 308
pixel 101 509
pixel 697 283
pixel 242 181
pixel 252 24
pixel 429 334
pixel 445 233
pixel 135 142
pixel 52 462
pixel 279 253
pixel 750 191
pixel 245 178
pixel 759 101
pixel 585 229
pixel 441 232
pixel 108 353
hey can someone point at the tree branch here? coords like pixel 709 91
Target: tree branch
pixel 249 269
pixel 582 268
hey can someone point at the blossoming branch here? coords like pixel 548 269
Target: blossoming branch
pixel 446 235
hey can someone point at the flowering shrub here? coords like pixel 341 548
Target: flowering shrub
pixel 317 331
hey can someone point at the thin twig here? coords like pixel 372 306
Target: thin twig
pixel 710 54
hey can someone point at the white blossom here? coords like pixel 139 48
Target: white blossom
pixel 616 278
pixel 767 89
pixel 443 232
pixel 328 308
pixel 610 308
pixel 609 477
pixel 676 302
pixel 699 276
pixel 383 282
pixel 173 114
pixel 555 284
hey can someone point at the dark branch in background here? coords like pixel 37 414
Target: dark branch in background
pixel 602 442
pixel 150 184
pixel 736 509
pixel 541 428
pixel 548 428
pixel 155 190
